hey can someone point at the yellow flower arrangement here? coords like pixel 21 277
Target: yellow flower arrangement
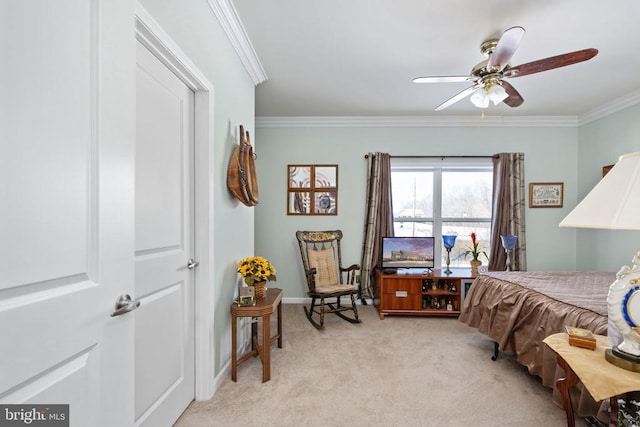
pixel 256 269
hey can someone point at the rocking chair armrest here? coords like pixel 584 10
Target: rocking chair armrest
pixel 351 267
pixel 350 271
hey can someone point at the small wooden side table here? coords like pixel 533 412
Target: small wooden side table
pixel 602 379
pixel 263 308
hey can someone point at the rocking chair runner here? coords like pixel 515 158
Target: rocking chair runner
pixel 326 278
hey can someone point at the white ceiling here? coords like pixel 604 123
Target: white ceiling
pixel 358 57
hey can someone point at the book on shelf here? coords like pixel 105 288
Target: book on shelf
pixel 580 337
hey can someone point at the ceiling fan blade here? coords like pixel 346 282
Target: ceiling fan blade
pixel 443 79
pixel 551 63
pixel 468 91
pixel 505 49
pixel 514 99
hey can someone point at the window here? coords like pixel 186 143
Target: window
pixel 452 196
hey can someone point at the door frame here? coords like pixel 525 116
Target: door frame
pixel 153 37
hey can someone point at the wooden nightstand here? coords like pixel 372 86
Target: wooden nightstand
pixel 601 379
pixel 263 308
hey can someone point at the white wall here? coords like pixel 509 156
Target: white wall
pixel 550 156
pixel 196 30
pixel 601 143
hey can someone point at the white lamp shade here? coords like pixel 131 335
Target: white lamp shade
pixel 614 203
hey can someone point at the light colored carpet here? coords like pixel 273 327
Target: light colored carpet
pixel 400 371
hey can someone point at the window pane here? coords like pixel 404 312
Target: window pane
pixel 412 194
pixel 466 194
pixel 463 242
pixel 413 229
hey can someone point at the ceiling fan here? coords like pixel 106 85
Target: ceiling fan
pixel 488 77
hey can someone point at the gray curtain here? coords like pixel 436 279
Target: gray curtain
pixel 379 217
pixel 508 210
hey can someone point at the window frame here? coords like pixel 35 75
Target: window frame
pixel 437 167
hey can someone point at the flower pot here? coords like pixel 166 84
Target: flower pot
pixel 475 263
pixel 260 288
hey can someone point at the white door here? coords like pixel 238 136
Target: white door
pixel 66 208
pixel 164 244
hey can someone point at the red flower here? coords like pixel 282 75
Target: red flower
pixel 474 251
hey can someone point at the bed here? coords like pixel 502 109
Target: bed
pixel 519 309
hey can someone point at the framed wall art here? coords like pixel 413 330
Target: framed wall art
pixel 546 194
pixel 312 190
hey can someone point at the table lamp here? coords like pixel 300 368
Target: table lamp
pixel 614 204
pixel 449 241
pixel 509 244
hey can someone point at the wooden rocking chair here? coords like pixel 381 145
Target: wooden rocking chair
pixel 326 279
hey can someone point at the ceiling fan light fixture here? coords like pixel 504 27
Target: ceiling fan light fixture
pixel 497 94
pixel 480 98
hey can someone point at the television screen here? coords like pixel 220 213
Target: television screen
pixel 407 252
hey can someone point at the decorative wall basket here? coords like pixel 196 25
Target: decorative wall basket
pixel 242 178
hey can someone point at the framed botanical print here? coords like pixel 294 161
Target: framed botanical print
pixel 546 194
pixel 312 190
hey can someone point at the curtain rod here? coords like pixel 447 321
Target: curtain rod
pixel 495 156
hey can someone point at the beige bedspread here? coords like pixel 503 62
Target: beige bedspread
pixel 520 309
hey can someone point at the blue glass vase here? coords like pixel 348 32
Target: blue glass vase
pixel 448 241
pixel 508 243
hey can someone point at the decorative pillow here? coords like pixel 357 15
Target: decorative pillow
pixel 323 260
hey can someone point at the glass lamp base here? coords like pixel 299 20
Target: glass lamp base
pixel 508 262
pixel 447 271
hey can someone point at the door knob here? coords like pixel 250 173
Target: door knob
pixel 125 304
pixel 191 264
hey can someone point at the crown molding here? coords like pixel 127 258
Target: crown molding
pixel 417 121
pixel 228 17
pixel 629 100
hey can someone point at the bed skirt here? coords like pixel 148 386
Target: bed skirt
pixel 520 309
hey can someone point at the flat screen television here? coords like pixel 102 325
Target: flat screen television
pixel 407 252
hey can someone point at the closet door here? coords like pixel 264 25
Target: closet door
pixel 66 210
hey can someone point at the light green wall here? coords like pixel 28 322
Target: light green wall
pixel 196 30
pixel 601 143
pixel 563 154
pixel 550 156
